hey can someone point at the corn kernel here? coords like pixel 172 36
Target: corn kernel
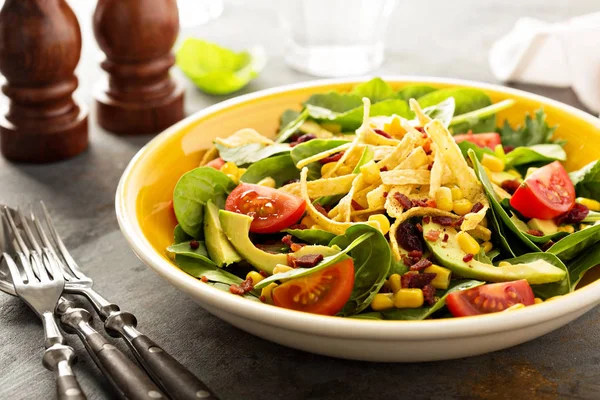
pixel 395 282
pixel 504 264
pixel 370 173
pixel 462 206
pixel 467 243
pixel 487 246
pixel 268 182
pixel 566 228
pixel 279 269
pixel 234 178
pixel 457 194
pixel 307 220
pixel 553 298
pixel 592 204
pixel 537 300
pixel 255 276
pixel 515 173
pixel 442 276
pixel 384 223
pixel 229 168
pixel 408 298
pixel 327 168
pixel 382 301
pixel 443 199
pixel 515 307
pixel 267 294
pixel 493 163
pixel 394 127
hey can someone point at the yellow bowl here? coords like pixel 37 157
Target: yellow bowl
pixel 146 188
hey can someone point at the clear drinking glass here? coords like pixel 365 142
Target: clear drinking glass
pixel 335 37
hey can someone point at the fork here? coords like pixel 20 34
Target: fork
pixel 42 295
pixel 128 379
pixel 176 380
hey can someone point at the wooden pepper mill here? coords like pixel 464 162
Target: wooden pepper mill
pixel 40 46
pixel 136 36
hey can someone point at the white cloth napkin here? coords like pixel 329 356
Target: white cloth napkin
pixel 561 54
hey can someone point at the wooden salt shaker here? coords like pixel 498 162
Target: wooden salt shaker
pixel 136 36
pixel 40 46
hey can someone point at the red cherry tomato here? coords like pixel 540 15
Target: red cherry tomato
pixel 272 209
pixel 217 163
pixel 323 292
pixel 547 193
pixel 489 298
pixel 490 140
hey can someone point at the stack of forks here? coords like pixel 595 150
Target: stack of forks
pixel 40 270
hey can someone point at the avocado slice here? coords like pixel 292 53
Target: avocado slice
pixel 546 226
pixel 236 227
pixel 218 246
pixel 450 255
pixel 499 177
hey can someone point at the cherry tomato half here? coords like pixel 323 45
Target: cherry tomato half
pixel 322 292
pixel 490 140
pixel 493 297
pixel 272 209
pixel 217 163
pixel 545 194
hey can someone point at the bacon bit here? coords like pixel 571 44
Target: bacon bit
pixel 302 139
pixel 443 221
pixel 432 235
pixel 429 294
pixel 430 167
pixel 421 265
pixel 427 147
pixel 385 194
pixel 357 206
pixel 309 260
pixel 383 169
pixel 296 246
pixel 419 227
pixel 510 185
pixel 194 244
pixel 458 222
pixel 446 237
pixel 508 149
pixel 287 240
pixel 263 273
pixel 204 279
pixel 321 209
pixel 291 261
pixel 415 254
pixel 477 207
pixel 403 200
pixel 425 203
pixel 263 299
pixel 426 219
pixel 535 232
pixel 416 281
pixel 332 158
pixel 243 287
pixel 420 129
pixel 382 133
pixel 300 227
pixel 468 257
pixel 408 261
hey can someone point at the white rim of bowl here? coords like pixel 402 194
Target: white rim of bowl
pixel 328 326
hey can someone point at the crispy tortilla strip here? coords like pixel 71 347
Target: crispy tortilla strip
pixel 503 194
pixel 397 251
pixel 416 159
pixel 481 232
pixel 316 129
pixel 243 137
pixel 380 152
pixel 322 187
pixel 369 136
pixel 401 151
pixel 392 207
pixel 345 204
pixel 324 222
pixel 453 158
pixel 376 198
pixel 367 211
pixel 423 118
pixel 319 156
pixel 437 172
pixel 406 177
pixel 472 220
pixel 210 155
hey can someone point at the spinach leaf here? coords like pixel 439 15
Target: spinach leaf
pixel 366 156
pixel 537 153
pixel 375 89
pixel 579 266
pixel 398 267
pixel 466 100
pixel 593 216
pixel 523 228
pixel 179 235
pixel 473 118
pixel 326 262
pixel 587 180
pixel 250 153
pixel 312 147
pixel 288 130
pixel 498 233
pixel 575 244
pixel 535 131
pixel 186 250
pixel 479 151
pixel 414 91
pixel 546 290
pixel 287 116
pixel 281 168
pixel 191 193
pixel 328 200
pixel 372 260
pixel 483 257
pixel 312 236
pixel 334 101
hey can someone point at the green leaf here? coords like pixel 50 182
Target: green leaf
pixel 586 261
pixel 372 260
pixel 217 70
pixel 473 118
pixel 287 116
pixel 375 89
pixel 593 216
pixel 442 111
pixel 292 127
pixel 334 101
pixel 587 181
pixel 326 262
pixel 414 91
pixel 546 290
pixel 366 156
pixel 466 100
pixel 186 250
pixel 535 131
pixel 523 228
pixel 312 147
pixel 312 236
pixel 281 168
pixel 537 153
pixel 191 193
pixel 328 200
pixel 250 153
pixel 576 243
pixel 483 257
pixel 179 235
pixel 464 147
pixel 398 267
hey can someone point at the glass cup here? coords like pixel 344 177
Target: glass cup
pixel 334 38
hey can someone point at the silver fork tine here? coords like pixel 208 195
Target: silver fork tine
pixel 38 264
pixel 14 270
pixel 26 266
pixel 15 230
pixel 28 232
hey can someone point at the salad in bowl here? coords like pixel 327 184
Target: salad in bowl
pixel 390 205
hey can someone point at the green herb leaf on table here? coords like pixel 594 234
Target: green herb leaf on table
pixel 587 181
pixel 546 290
pixel 534 131
pixel 312 147
pixel 580 265
pixel 576 243
pixel 312 236
pixel 217 70
pixel 280 167
pixel 191 193
pixel 291 127
pixel 414 91
pixel 250 153
pixel 376 90
pixel 537 153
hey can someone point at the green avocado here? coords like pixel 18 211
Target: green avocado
pixel 236 227
pixel 218 246
pixel 450 255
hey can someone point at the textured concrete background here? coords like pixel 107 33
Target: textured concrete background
pixel 425 38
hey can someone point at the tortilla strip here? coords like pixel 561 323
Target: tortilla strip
pixel 380 152
pixel 437 171
pixel 322 187
pixel 392 207
pixel 210 155
pixel 406 177
pixel 422 117
pixel 401 151
pixel 319 156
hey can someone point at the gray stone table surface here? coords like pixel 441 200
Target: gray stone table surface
pixel 436 38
